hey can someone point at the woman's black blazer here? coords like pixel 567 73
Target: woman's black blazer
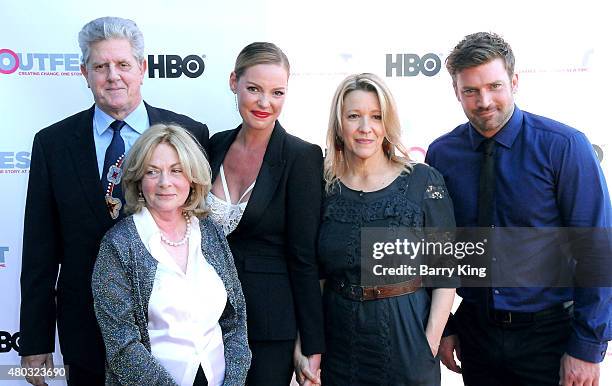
pixel 274 245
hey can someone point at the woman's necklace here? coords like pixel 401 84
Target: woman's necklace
pixel 379 182
pixel 185 236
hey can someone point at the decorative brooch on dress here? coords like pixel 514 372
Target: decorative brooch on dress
pixel 435 192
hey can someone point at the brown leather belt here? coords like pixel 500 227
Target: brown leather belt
pixel 361 293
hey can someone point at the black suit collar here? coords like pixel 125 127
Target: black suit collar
pixel 153 113
pixel 219 150
pixel 83 151
pixel 274 152
pixel 267 179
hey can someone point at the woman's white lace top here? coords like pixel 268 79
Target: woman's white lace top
pixel 223 211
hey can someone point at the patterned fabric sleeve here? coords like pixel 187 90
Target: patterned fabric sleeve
pixel 127 358
pixel 437 204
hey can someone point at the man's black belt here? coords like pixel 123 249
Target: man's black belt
pixel 514 317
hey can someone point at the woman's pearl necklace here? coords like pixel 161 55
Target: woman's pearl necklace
pixel 185 236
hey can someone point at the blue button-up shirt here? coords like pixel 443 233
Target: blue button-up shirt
pixel 135 124
pixel 546 175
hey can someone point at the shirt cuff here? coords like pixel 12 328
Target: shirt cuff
pixel 586 351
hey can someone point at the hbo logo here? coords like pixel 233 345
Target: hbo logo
pixel 411 64
pixel 8 342
pixel 173 66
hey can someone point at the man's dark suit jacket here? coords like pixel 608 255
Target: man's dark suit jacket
pixel 274 245
pixel 65 218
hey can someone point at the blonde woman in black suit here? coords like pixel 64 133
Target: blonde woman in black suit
pixel 267 194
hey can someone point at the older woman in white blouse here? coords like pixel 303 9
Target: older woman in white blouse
pixel 166 292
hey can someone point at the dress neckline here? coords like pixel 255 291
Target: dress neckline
pixel 362 193
pixel 227 200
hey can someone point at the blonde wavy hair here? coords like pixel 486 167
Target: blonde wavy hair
pixel 396 152
pixel 191 155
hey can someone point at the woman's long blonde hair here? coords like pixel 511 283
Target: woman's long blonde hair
pixel 335 162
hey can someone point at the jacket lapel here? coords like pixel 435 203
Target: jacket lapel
pixel 267 180
pixel 83 152
pixel 219 149
pixel 153 113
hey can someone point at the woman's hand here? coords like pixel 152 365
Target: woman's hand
pixel 441 304
pixel 307 371
pixel 434 341
pixel 307 368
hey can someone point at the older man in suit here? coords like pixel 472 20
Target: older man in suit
pixel 74 197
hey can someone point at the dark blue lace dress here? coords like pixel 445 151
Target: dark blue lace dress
pixel 378 342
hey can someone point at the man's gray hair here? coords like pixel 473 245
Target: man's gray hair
pixel 109 27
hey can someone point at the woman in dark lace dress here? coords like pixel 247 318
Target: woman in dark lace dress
pixel 390 337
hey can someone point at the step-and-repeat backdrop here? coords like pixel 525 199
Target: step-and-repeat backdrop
pixel 563 61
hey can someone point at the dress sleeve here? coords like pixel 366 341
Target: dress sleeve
pixel 126 356
pixel 439 223
pixel 437 204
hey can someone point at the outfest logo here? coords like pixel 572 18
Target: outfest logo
pixel 41 64
pixel 3 251
pixel 69 64
pixel 12 162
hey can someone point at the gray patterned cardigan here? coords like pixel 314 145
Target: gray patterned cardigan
pixel 122 283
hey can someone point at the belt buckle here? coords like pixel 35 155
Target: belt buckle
pixel 376 292
pixel 357 292
pixel 504 317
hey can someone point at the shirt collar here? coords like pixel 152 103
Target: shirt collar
pixel 137 119
pixel 505 136
pixel 147 228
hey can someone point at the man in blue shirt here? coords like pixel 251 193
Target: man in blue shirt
pixel 539 173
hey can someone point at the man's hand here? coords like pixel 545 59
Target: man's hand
pixel 576 372
pixel 448 346
pixel 37 361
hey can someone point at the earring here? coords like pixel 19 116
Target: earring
pixel 141 198
pixel 236 100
